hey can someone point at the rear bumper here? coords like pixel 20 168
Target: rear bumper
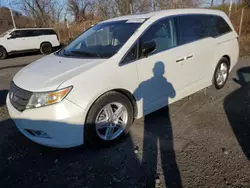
pixel 59 125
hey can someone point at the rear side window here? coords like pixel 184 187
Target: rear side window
pixel 45 32
pixel 199 26
pixel 192 28
pixel 28 33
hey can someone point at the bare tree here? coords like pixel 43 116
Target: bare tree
pixel 123 7
pixel 43 12
pixel 212 3
pixel 105 9
pixel 142 5
pixel 169 4
pixel 79 8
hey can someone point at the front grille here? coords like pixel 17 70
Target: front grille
pixel 19 98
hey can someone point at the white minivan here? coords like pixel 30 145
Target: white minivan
pixel 118 70
pixel 28 39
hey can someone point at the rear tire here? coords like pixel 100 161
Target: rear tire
pixel 3 53
pixel 101 129
pixel 221 73
pixel 46 48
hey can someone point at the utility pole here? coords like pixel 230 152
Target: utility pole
pixel 154 5
pixel 241 21
pixel 212 3
pixel 230 8
pixel 12 17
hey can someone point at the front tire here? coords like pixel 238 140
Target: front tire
pixel 221 73
pixel 3 53
pixel 46 48
pixel 109 119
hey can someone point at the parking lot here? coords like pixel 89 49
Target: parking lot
pixel 201 141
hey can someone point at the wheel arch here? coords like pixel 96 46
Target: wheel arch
pixel 124 92
pixel 228 58
pixel 45 43
pixel 1 46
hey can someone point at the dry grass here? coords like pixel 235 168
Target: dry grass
pixel 67 34
pixel 245 46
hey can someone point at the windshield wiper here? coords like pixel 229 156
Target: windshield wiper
pixel 85 54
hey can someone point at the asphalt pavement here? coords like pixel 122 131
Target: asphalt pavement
pixel 200 141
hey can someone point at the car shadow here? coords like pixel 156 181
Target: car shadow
pixel 23 54
pixel 3 95
pixel 31 53
pixel 14 66
pixel 236 106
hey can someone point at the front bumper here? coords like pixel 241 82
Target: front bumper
pixel 61 125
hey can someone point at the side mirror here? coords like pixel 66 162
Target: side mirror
pixel 11 37
pixel 148 48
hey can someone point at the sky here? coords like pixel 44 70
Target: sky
pixel 6 3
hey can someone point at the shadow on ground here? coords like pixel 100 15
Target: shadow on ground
pixel 237 108
pixel 3 95
pixel 26 163
pixel 14 66
pixel 23 54
pixel 23 162
pixel 158 90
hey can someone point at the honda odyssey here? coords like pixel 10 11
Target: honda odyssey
pixel 118 70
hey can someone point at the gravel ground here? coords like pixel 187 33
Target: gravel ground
pixel 201 141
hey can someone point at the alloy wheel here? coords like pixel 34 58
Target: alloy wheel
pixel 111 121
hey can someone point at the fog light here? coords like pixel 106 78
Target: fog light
pixel 38 133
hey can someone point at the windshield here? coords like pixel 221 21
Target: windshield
pixel 102 40
pixel 4 33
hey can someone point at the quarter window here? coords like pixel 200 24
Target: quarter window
pixel 131 55
pixel 217 26
pixel 163 33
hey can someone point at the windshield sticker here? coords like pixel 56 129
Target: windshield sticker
pixel 139 20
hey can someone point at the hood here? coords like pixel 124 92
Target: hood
pixel 50 72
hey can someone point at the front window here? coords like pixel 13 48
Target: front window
pixel 163 33
pixel 101 41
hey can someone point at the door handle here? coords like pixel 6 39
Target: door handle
pixel 179 60
pixel 190 56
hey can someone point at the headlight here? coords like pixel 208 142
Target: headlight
pixel 47 98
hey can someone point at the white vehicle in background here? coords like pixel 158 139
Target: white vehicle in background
pixel 28 39
pixel 118 70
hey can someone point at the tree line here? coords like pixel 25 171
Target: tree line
pixel 47 12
